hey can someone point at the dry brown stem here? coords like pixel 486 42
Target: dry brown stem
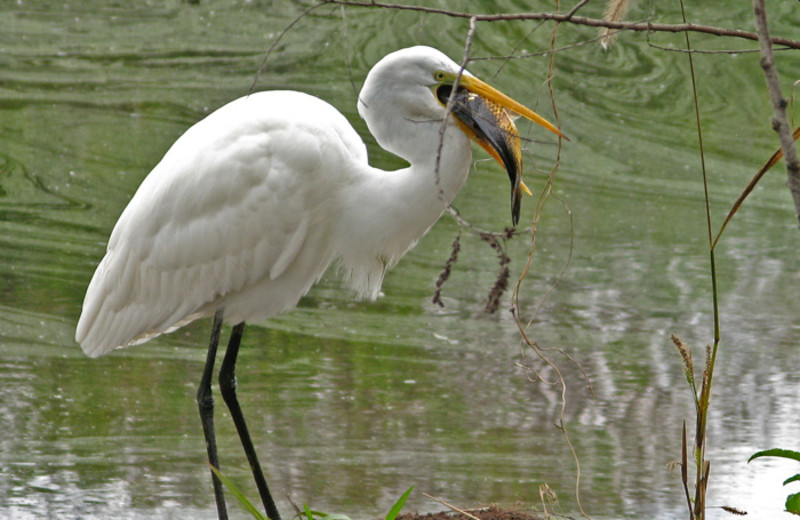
pixel 570 17
pixel 780 123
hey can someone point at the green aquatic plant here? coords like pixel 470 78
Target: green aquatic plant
pixel 307 512
pixel 793 500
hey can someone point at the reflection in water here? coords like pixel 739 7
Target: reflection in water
pixel 351 402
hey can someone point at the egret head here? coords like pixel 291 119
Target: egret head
pixel 396 99
pixel 416 85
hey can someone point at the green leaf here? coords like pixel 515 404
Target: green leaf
pixel 777 452
pixel 793 503
pixel 309 514
pixel 248 506
pixel 395 510
pixel 791 479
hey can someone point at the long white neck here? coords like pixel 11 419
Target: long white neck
pixel 385 213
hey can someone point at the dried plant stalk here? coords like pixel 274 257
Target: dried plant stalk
pixel 455 248
pixel 615 12
pixel 686 354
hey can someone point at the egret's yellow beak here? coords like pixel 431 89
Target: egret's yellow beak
pixel 485 115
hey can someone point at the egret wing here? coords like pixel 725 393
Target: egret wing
pixel 229 209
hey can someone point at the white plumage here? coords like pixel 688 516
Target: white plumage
pixel 251 205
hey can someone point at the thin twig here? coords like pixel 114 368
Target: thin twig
pixel 464 223
pixel 575 9
pixel 577 20
pixel 283 33
pixel 347 52
pixel 451 100
pixel 780 123
pixel 454 508
pixel 513 54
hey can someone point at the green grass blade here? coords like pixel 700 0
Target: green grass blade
pixel 309 513
pixel 395 510
pixel 246 504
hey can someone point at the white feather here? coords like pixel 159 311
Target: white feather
pixel 251 205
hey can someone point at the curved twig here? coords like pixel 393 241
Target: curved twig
pixel 577 20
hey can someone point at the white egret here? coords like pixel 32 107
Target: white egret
pixel 249 207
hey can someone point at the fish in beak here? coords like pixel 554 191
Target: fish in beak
pixel 487 115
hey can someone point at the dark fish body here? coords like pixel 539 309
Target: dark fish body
pixel 489 125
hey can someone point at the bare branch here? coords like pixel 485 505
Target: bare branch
pixel 575 9
pixel 577 20
pixel 780 123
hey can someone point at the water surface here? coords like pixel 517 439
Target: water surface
pixel 351 402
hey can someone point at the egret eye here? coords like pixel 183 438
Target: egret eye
pixel 439 75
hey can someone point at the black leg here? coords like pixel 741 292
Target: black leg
pixel 205 401
pixel 227 387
